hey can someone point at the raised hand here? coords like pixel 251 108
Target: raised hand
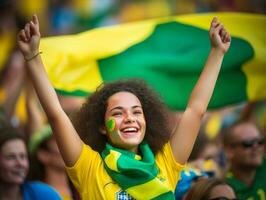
pixel 219 37
pixel 29 38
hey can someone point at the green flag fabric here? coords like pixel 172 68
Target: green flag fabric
pixel 169 53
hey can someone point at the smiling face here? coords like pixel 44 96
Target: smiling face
pixel 248 157
pixel 125 123
pixel 13 162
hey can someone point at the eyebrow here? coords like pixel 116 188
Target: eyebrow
pixel 121 108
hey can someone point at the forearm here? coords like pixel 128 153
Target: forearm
pixel 34 113
pixel 190 122
pixel 65 133
pixel 44 90
pixel 13 95
pixel 203 90
pixel 191 119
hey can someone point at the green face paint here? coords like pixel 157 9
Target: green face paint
pixel 110 124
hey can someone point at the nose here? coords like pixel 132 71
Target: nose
pixel 129 118
pixel 21 161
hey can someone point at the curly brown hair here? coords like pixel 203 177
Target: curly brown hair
pixel 89 120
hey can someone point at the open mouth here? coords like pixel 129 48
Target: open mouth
pixel 129 131
pixel 20 173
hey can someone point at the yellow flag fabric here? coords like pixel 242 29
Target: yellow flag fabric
pixel 77 64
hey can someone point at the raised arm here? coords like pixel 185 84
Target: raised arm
pixel 185 135
pixel 69 142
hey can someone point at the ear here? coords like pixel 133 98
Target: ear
pixel 103 130
pixel 43 156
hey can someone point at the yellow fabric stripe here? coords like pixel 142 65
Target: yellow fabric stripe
pixel 152 186
pixel 138 157
pixel 251 28
pixel 80 52
pixel 112 159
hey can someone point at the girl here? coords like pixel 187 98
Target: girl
pixel 127 152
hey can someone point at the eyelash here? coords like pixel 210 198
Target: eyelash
pixel 134 112
pixel 116 114
pixel 137 112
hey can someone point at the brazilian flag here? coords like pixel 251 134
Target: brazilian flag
pixel 169 53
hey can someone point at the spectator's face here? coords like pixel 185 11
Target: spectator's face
pixel 13 162
pixel 125 122
pixel 222 191
pixel 210 151
pixel 247 149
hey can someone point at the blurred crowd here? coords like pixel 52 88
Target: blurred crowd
pixel 230 146
pixel 58 17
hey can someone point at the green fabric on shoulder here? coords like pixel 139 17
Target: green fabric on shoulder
pixel 135 174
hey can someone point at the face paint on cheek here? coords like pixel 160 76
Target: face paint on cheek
pixel 110 124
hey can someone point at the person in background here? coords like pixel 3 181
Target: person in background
pixel 211 189
pixel 14 168
pixel 206 156
pixel 188 177
pixel 46 163
pixel 244 150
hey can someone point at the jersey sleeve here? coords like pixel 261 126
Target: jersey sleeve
pixel 84 169
pixel 169 169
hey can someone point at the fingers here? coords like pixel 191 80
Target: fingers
pixel 34 28
pixel 227 38
pixel 27 31
pixel 224 35
pixel 30 29
pixel 218 29
pixel 214 26
pixel 214 22
pixel 35 19
pixel 22 35
pixel 35 24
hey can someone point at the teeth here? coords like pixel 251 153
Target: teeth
pixel 130 129
pixel 21 173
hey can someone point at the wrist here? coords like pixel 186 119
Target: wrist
pixel 28 58
pixel 218 51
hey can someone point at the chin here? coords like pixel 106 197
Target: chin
pixel 255 164
pixel 132 142
pixel 17 181
pixel 126 145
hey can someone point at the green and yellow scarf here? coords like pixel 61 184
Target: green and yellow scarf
pixel 135 174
